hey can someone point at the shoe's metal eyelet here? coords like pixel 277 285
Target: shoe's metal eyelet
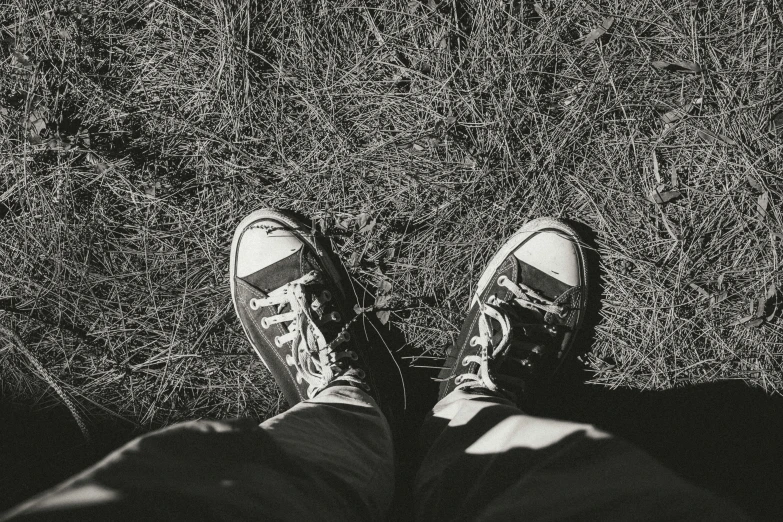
pixel 326 295
pixel 298 378
pixel 254 305
pixel 335 316
pixel 474 340
pixel 465 362
pixel 353 355
pixel 264 323
pixel 289 359
pixel 502 280
pixel 278 343
pixel 346 336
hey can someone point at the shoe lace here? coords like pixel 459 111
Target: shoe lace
pixel 315 360
pixel 493 347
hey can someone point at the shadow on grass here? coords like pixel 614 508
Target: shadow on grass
pixel 41 447
pixel 723 436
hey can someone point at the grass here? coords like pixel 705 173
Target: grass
pixel 136 135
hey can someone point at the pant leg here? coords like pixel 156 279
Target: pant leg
pixel 489 461
pixel 329 458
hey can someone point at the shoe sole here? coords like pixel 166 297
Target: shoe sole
pixel 295 226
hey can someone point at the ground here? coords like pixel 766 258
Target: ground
pixel 415 136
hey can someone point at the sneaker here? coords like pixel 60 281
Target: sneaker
pixel 529 303
pixel 290 299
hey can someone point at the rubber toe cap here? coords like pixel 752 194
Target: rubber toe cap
pixel 553 253
pixel 263 244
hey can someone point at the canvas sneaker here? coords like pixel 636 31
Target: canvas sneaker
pixel 529 303
pixel 290 298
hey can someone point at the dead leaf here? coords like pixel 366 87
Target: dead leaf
pixel 383 288
pixel 753 183
pixel 712 137
pixel 661 106
pixel 368 226
pixel 599 31
pixel 22 58
pixel 84 136
pixel 741 320
pixel 677 114
pixel 152 189
pixel 755 323
pixel 382 301
pixel 688 67
pixel 699 289
pixel 438 131
pixel 319 225
pixel 762 204
pixel 38 124
pixel 656 173
pixel 718 298
pixel 384 285
pixel 345 224
pixel 772 302
pixel 594 35
pixel 660 196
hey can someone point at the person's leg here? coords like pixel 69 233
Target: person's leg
pixel 489 461
pixel 328 458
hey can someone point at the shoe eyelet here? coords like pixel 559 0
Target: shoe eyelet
pixel 326 295
pixel 298 378
pixel 264 323
pixel 254 304
pixel 502 280
pixel 289 359
pixel 346 336
pixel 335 316
pixel 465 362
pixel 474 340
pixel 278 343
pixel 353 355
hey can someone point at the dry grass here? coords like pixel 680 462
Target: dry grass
pixel 135 137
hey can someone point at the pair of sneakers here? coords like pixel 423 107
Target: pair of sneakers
pixel 293 303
